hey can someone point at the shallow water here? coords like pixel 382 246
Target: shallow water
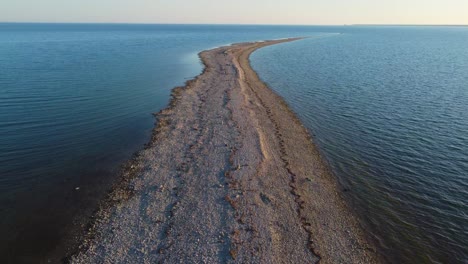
pixel 388 107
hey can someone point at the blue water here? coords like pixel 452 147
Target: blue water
pixel 387 106
pixel 389 109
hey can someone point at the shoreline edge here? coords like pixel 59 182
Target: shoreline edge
pixel 230 175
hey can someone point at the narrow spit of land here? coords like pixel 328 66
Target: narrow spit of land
pixel 231 175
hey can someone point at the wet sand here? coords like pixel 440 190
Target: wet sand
pixel 230 175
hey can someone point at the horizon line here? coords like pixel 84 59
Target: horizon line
pixel 229 24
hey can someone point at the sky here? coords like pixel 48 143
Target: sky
pixel 303 12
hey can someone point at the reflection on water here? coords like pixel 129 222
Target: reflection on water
pixel 389 109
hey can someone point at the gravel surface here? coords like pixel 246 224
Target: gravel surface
pixel 230 175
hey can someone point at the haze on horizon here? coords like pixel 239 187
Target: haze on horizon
pixel 303 12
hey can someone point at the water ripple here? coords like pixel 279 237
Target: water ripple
pixel 391 116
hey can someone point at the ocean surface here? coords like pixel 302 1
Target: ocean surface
pixel 388 107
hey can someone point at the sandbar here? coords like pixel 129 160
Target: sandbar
pixel 230 176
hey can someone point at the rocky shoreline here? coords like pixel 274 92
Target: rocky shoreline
pixel 230 175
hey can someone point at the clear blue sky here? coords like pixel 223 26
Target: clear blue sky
pixel 238 11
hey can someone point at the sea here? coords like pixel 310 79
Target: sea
pixel 386 105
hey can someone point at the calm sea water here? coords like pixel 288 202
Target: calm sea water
pixel 388 107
